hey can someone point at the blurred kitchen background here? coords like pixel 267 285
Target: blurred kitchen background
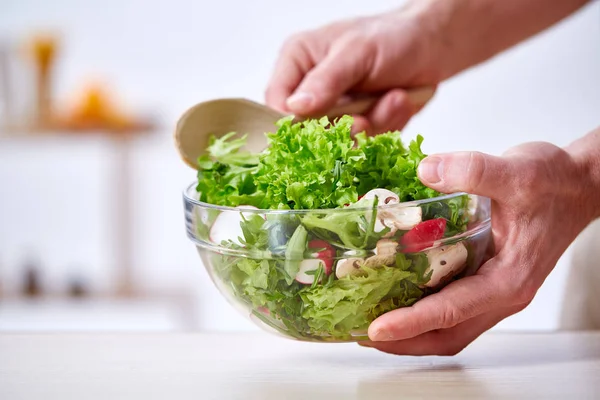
pixel 91 220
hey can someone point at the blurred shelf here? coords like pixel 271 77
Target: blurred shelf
pixel 66 134
pixel 93 314
pixel 120 198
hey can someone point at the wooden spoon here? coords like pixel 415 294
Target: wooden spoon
pixel 221 116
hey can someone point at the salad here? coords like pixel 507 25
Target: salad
pixel 321 232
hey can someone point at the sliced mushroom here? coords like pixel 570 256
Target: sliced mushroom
pixel 445 262
pixel 380 260
pixel 402 218
pixel 348 266
pixel 384 196
pixel 385 254
pixel 386 247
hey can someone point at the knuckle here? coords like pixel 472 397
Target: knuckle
pixel 324 82
pixel 533 149
pixel 361 42
pixel 398 99
pixel 450 316
pixel 476 170
pixel 362 45
pixel 295 41
pixel 537 168
pixel 530 175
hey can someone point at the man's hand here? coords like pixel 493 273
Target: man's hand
pixel 380 55
pixel 421 44
pixel 542 198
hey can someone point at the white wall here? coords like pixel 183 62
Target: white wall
pixel 168 55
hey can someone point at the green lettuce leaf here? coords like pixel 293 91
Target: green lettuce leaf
pixel 226 150
pixel 352 303
pixel 350 229
pixel 387 164
pixel 294 253
pixel 305 165
pixel 226 175
pixel 333 308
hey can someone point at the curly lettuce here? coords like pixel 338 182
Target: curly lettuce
pixel 328 311
pixel 313 164
pixel 352 303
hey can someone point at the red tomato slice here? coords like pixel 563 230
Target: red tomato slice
pixel 423 235
pixel 326 253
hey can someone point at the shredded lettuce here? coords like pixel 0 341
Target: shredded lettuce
pixel 226 174
pixel 352 303
pixel 333 309
pixel 385 163
pixel 350 229
pixel 313 164
pixel 304 166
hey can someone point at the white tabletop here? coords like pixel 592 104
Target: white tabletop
pixel 261 366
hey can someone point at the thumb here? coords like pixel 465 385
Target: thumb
pixel 322 86
pixel 470 172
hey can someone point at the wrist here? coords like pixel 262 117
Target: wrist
pixel 434 19
pixel 468 32
pixel 457 31
pixel 585 152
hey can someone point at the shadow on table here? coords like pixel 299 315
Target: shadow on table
pixel 487 369
pixel 490 354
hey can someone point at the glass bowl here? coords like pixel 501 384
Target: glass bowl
pixel 325 275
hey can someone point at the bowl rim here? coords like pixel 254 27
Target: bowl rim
pixel 413 203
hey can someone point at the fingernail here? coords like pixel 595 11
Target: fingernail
pixel 429 170
pixel 300 101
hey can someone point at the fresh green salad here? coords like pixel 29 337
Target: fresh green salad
pixel 353 253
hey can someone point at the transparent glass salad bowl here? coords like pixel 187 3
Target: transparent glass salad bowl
pixel 325 275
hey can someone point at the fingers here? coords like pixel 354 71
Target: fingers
pixel 447 342
pixel 430 343
pixel 361 124
pixel 460 301
pixel 470 172
pixel 391 112
pixel 292 65
pixel 323 85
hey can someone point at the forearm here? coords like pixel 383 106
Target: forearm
pixel 586 153
pixel 472 31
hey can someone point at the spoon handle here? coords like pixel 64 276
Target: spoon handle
pixel 359 105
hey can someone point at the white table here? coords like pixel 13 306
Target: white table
pixel 260 366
